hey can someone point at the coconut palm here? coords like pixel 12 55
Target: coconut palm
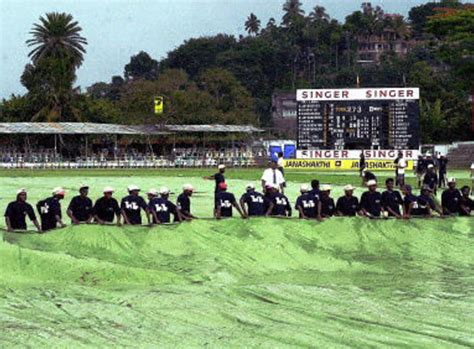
pixel 319 14
pixel 252 25
pixel 57 36
pixel 292 9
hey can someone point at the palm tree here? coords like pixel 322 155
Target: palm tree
pixel 292 9
pixel 57 36
pixel 319 14
pixel 252 25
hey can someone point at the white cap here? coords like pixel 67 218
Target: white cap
pixel 428 153
pixel 304 188
pixel 221 166
pixel 430 166
pixel 133 187
pixel 108 190
pixel 250 186
pixel 326 187
pixel 371 182
pixel 82 186
pixel 452 180
pixel 21 191
pixel 152 192
pixel 188 187
pixel 164 191
pixel 348 187
pixel 59 191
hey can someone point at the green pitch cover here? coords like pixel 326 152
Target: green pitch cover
pixel 256 283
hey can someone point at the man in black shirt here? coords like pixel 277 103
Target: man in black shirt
pixel 431 178
pixel 224 203
pixel 315 189
pixel 369 176
pixel 80 207
pixel 162 209
pixel 426 204
pixel 279 204
pixel 106 208
pixel 132 205
pixel 16 212
pixel 391 199
pixel 420 169
pixel 184 202
pixel 218 177
pixel 50 210
pixel 308 205
pixel 451 198
pixel 347 205
pixel 252 202
pixel 410 202
pixel 371 201
pixel 328 208
pixel 443 164
pixel 466 206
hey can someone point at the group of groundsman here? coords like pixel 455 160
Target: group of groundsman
pixel 315 202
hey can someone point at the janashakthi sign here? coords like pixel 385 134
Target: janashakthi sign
pixel 342 164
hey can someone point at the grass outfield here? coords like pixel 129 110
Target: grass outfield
pixel 233 283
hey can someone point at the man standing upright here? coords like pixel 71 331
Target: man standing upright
pixel 443 169
pixel 431 178
pixel 217 177
pixel 401 165
pixel 272 176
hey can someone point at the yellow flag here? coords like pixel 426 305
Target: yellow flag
pixel 159 105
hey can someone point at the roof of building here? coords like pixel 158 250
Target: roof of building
pixel 214 128
pixel 95 128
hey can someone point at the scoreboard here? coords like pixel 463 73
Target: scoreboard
pixel 363 118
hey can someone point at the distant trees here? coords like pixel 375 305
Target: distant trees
pixel 141 66
pixel 57 37
pixel 58 50
pixel 228 80
pixel 252 24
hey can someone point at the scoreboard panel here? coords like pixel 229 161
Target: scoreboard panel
pixel 358 119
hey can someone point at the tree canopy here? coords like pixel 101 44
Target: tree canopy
pixel 231 80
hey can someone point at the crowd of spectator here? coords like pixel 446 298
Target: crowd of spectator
pixel 13 157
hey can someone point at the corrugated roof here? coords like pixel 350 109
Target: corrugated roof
pixel 94 128
pixel 65 128
pixel 214 128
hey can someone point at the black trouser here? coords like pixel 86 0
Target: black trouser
pixel 442 179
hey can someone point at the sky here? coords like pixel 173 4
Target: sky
pixel 117 29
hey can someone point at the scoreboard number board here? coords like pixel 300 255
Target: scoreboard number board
pixel 362 118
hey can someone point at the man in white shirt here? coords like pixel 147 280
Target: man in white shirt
pixel 272 176
pixel 401 165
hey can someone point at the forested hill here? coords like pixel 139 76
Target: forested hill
pixel 229 79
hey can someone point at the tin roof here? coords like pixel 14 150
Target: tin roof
pixel 95 128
